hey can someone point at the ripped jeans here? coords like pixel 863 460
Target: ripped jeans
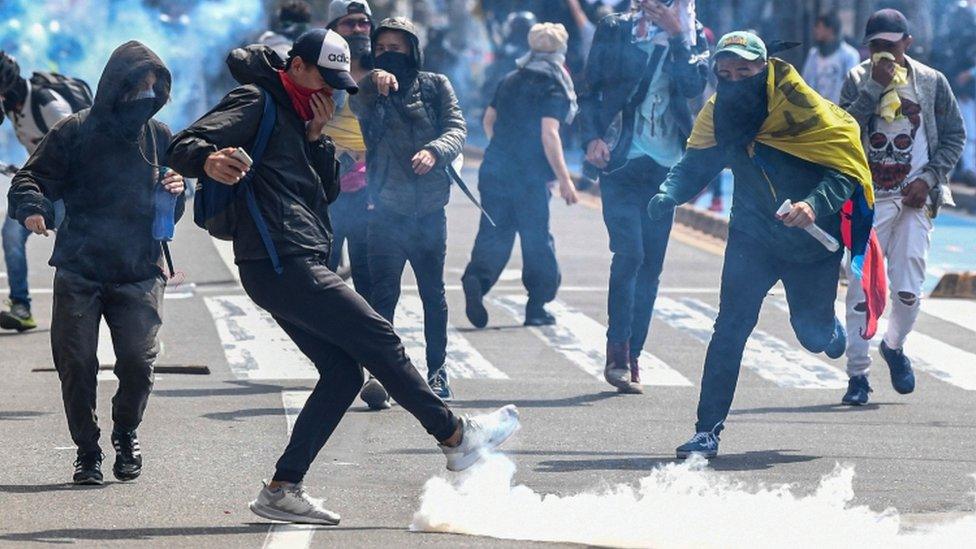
pixel 904 235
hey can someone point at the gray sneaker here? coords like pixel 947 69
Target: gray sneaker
pixel 290 503
pixel 480 435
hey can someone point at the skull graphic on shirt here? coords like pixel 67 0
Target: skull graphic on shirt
pixel 890 146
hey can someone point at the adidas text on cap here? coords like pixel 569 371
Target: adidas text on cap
pixel 330 53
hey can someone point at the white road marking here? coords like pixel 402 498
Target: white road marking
pixel 773 359
pixel 463 360
pixel 255 346
pixel 961 312
pixel 291 536
pixel 582 340
pixel 936 358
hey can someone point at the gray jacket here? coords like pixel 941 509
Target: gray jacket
pixel 398 126
pixel 943 122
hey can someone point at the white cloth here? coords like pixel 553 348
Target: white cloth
pixel 28 132
pixel 898 151
pixel 826 74
pixel 904 235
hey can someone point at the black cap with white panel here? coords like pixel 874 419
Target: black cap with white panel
pixel 330 53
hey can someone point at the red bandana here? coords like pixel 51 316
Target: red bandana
pixel 301 97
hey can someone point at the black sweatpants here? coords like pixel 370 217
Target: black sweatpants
pixel 133 313
pixel 337 330
pixel 525 213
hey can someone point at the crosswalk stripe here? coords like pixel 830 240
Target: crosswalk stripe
pixel 771 358
pixel 463 360
pixel 291 536
pixel 960 312
pixel 255 346
pixel 581 339
pixel 936 358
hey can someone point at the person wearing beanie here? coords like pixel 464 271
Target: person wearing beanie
pixel 523 159
pixel 294 17
pixel 414 130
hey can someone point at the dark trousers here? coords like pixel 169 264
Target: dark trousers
pixel 337 330
pixel 638 244
pixel 133 314
pixel 348 215
pixel 395 239
pixel 525 213
pixel 747 276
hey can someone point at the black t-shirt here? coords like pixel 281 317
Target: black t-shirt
pixel 515 152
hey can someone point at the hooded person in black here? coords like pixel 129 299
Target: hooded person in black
pixel 293 183
pixel 104 163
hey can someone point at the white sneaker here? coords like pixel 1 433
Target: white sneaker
pixel 290 503
pixel 480 435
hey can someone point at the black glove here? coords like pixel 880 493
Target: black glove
pixel 661 206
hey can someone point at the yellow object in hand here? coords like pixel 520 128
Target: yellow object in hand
pixel 890 103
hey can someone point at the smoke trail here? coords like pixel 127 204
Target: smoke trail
pixel 678 505
pixel 76 37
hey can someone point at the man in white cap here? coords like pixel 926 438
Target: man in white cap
pixel 524 156
pixel 293 183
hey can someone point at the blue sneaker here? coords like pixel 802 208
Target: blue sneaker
pixel 902 376
pixel 440 386
pixel 858 389
pixel 835 349
pixel 704 444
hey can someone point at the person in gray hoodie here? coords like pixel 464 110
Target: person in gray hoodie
pixel 414 129
pixel 913 135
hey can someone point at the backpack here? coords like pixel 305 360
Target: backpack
pixel 74 90
pixel 213 204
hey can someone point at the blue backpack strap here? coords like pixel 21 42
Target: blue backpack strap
pixel 268 120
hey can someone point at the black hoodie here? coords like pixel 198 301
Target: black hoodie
pixel 105 179
pixel 295 180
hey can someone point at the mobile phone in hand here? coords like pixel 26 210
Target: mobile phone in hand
pixel 241 154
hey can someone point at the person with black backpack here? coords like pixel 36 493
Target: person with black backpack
pixel 33 106
pixel 414 130
pixel 278 218
pixel 106 163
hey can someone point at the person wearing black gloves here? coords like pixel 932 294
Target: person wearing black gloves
pixel 104 163
pixel 293 183
pixel 414 129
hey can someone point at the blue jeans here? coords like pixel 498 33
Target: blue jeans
pixel 750 271
pixel 638 244
pixel 395 239
pixel 15 254
pixel 525 213
pixel 348 215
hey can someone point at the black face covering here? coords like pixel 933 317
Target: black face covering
pixel 398 64
pixel 359 48
pixel 131 116
pixel 740 110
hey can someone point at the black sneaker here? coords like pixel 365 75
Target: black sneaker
pixel 374 395
pixel 17 318
pixel 88 469
pixel 440 386
pixel 128 457
pixel 857 393
pixel 474 308
pixel 902 376
pixel 537 315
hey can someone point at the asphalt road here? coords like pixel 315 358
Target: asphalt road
pixel 208 440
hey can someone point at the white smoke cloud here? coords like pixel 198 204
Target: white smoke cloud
pixel 675 506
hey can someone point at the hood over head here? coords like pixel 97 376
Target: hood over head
pixel 126 68
pixel 259 65
pixel 405 26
